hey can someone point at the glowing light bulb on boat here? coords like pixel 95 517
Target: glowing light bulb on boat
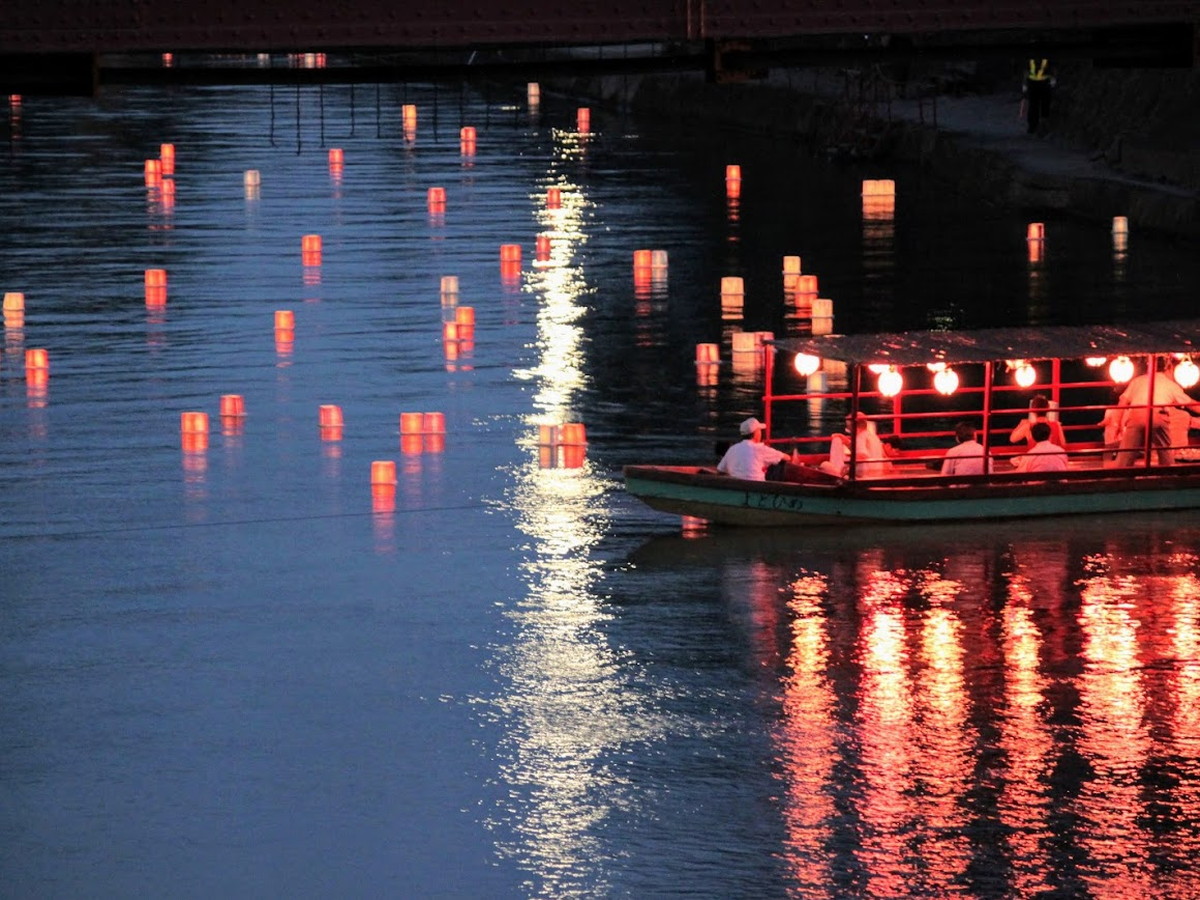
pixel 1096 361
pixel 1186 373
pixel 1121 369
pixel 806 363
pixel 1023 373
pixel 945 381
pixel 890 382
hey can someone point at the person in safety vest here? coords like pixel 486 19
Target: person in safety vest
pixel 1037 90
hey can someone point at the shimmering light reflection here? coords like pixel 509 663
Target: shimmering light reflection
pixel 566 711
pixel 1114 740
pixel 807 740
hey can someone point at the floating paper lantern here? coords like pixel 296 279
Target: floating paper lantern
pixel 14 302
pixel 449 285
pixel 1035 231
pixel 583 120
pixel 465 315
pixel 573 434
pixel 37 358
pixel 541 247
pixel 658 262
pixel 466 140
pixel 153 172
pixel 166 155
pixel 232 405
pixel 383 471
pixel 732 286
pixel 193 422
pixel 533 93
pixel 822 308
pixel 252 178
pixel 510 253
pixel 1120 225
pixel 433 423
pixel 805 364
pixel 329 415
pixel 310 250
pixel 285 320
pixel 554 198
pixel 791 273
pixel 733 181
pixel 408 115
pixel 437 198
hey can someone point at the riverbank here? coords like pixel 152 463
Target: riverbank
pixel 1108 152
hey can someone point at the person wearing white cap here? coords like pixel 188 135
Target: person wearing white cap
pixel 749 457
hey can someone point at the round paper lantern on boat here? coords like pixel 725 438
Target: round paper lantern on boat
pixel 1121 369
pixel 806 363
pixel 1025 374
pixel 890 382
pixel 1186 373
pixel 945 381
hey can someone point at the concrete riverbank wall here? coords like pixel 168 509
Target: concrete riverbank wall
pixel 1120 142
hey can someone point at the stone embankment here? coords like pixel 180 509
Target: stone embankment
pixel 1120 142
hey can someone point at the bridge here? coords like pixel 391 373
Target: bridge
pixel 74 46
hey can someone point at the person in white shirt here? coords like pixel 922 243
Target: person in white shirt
pixel 749 457
pixel 1044 455
pixel 871 460
pixel 965 457
pixel 1136 417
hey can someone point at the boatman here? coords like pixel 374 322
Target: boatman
pixel 749 457
pixel 1038 87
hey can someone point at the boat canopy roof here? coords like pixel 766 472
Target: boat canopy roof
pixel 912 348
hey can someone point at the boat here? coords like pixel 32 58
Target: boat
pixel 913 387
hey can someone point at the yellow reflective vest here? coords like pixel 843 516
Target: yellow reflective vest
pixel 1038 69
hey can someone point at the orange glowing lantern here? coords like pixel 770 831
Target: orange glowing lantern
pixel 433 423
pixel 945 381
pixel 510 253
pixel 437 199
pixel 153 172
pixel 166 155
pixel 733 181
pixel 1120 225
pixel 329 415
pixel 583 120
pixel 642 259
pixel 449 286
pixel 408 115
pixel 1025 374
pixel 466 140
pixel 533 93
pixel 383 471
pixel 807 284
pixel 791 273
pixel 37 359
pixel 806 364
pixel 732 286
pixel 14 302
pixel 193 423
pixel 541 247
pixel 1121 369
pixel 891 382
pixel 252 178
pixel 554 198
pixel 1186 372
pixel 465 316
pixel 232 406
pixel 337 157
pixel 1035 231
pixel 548 435
pixel 411 422
pixel 310 249
pixel 156 278
pixel 285 320
pixel 168 60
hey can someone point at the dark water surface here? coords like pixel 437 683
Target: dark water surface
pixel 233 671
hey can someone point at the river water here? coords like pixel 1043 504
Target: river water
pixel 230 667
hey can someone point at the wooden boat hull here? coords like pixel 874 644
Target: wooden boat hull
pixel 692 491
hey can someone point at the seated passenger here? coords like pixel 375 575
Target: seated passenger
pixel 1039 411
pixel 871 460
pixel 965 457
pixel 749 457
pixel 1044 455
